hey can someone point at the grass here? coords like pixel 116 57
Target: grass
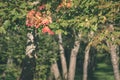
pixel 104 72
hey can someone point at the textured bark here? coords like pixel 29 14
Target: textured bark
pixel 62 57
pixel 114 60
pixel 56 71
pixel 29 64
pixel 73 56
pixel 114 54
pixel 51 76
pixel 86 62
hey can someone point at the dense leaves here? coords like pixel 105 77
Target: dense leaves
pixel 92 18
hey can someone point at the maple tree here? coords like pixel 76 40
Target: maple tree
pixel 37 19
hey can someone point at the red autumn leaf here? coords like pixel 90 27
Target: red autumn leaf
pixel 42 7
pixel 68 5
pixel 37 24
pixel 59 6
pixel 30 18
pixel 50 19
pixel 45 21
pixel 38 15
pixel 33 19
pixel 31 13
pixel 36 19
pixel 46 29
pixel 51 33
pixel 29 22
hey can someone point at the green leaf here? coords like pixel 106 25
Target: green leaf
pixel 2 30
pixel 6 24
pixel 64 24
pixel 54 25
pixel 94 27
pixel 59 31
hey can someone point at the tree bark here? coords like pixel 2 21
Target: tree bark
pixel 62 57
pixel 113 53
pixel 51 75
pixel 86 62
pixel 56 71
pixel 73 56
pixel 114 60
pixel 29 63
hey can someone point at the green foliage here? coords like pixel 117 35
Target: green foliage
pixel 47 54
pixel 12 44
pixel 2 30
pixel 13 13
pixel 84 16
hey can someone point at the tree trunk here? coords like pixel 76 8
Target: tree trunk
pixel 62 57
pixel 114 54
pixel 73 56
pixel 51 75
pixel 29 64
pixel 114 60
pixel 56 71
pixel 86 62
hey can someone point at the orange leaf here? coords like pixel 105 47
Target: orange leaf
pixel 46 29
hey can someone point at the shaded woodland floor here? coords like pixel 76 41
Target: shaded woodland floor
pixel 103 69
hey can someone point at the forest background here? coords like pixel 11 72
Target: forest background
pixel 59 39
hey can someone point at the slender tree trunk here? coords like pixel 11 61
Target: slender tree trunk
pixel 29 64
pixel 113 53
pixel 56 71
pixel 118 53
pixel 62 57
pixel 73 56
pixel 114 60
pixel 86 62
pixel 51 75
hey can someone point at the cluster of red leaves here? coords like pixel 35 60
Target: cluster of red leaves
pixel 46 29
pixel 36 19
